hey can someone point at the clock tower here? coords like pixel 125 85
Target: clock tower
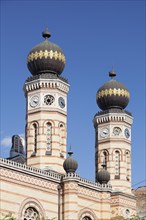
pixel 113 134
pixel 46 106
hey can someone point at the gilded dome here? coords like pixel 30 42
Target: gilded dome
pixel 112 94
pixel 46 57
pixel 70 165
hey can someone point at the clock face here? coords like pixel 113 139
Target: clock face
pixel 34 101
pixel 127 133
pixel 104 132
pixel 49 99
pixel 117 131
pixel 61 102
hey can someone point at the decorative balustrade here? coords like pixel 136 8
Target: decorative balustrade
pixel 95 184
pixel 12 164
pixel 85 182
pixel 50 174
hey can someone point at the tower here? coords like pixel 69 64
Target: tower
pixel 17 146
pixel 113 133
pixel 46 106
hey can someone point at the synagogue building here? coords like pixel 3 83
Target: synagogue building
pixel 40 182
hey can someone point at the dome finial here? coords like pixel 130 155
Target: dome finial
pixel 112 73
pixel 70 151
pixel 46 34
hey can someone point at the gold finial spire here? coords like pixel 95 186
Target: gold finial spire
pixel 46 34
pixel 112 73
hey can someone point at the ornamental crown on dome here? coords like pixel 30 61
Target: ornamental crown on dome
pixel 112 94
pixel 46 57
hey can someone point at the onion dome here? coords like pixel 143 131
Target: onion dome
pixel 70 165
pixel 112 94
pixel 103 175
pixel 46 57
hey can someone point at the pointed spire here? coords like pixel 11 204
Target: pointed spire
pixel 46 34
pixel 112 73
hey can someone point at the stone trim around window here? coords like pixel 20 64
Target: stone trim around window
pixel 33 204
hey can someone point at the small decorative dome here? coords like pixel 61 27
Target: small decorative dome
pixel 103 175
pixel 70 165
pixel 112 94
pixel 46 57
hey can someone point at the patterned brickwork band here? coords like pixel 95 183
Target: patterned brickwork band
pixel 46 54
pixel 110 92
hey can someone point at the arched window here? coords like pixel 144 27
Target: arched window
pixel 31 214
pixel 35 138
pixel 61 138
pixel 86 218
pixel 117 164
pixel 105 158
pixel 86 214
pixel 48 138
pixel 128 165
pixel 31 209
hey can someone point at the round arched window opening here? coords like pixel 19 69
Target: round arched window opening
pixel 31 214
pixel 86 218
pixel 127 212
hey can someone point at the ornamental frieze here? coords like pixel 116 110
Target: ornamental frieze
pixel 28 179
pixel 46 54
pixel 123 201
pixel 110 92
pixel 93 193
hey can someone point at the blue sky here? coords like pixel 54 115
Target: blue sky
pixel 94 35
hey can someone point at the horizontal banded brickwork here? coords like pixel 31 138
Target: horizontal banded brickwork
pixel 16 187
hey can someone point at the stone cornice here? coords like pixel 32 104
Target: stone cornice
pixel 117 193
pixel 46 76
pixel 46 82
pixel 120 116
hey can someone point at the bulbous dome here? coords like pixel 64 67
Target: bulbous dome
pixel 46 57
pixel 112 94
pixel 70 165
pixel 103 176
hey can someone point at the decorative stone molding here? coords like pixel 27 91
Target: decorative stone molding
pixel 46 76
pixel 28 179
pixel 89 192
pixel 33 203
pixel 71 186
pixel 86 212
pixel 46 83
pixel 112 117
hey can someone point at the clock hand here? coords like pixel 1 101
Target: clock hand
pixel 62 103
